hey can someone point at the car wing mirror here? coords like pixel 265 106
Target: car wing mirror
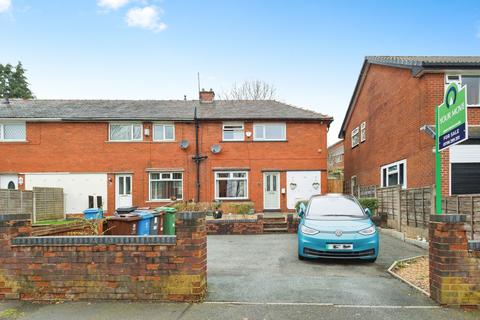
pixel 368 212
pixel 301 210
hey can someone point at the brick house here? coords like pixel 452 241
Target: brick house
pixel 144 153
pixel 335 158
pixel 389 130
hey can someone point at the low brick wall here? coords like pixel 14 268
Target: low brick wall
pixel 292 223
pixel 164 268
pixel 454 262
pixel 252 225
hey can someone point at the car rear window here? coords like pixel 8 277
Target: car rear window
pixel 333 206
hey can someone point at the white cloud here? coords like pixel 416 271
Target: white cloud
pixel 5 5
pixel 111 4
pixel 146 18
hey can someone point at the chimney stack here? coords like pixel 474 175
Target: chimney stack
pixel 206 96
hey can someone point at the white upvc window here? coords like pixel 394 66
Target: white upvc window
pixel 13 131
pixel 355 137
pixel 166 186
pixel 270 131
pixel 163 132
pixel 471 81
pixel 126 132
pixel 233 131
pixel 394 174
pixel 231 185
pixel 363 131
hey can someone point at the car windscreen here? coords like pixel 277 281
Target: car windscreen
pixel 333 206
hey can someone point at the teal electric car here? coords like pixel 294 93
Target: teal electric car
pixel 336 226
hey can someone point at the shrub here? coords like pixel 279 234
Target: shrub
pixel 196 206
pixel 297 205
pixel 237 207
pixel 370 203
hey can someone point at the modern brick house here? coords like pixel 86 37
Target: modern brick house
pixel 143 153
pixel 335 158
pixel 389 125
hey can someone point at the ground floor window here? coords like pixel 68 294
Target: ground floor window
pixel 166 186
pixel 394 174
pixel 231 185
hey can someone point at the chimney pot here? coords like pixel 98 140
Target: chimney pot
pixel 206 96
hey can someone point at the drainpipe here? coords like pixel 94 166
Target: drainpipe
pixel 197 158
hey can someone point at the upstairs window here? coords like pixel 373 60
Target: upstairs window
pixel 355 137
pixel 13 131
pixel 394 174
pixel 363 131
pixel 472 82
pixel 233 131
pixel 126 132
pixel 269 131
pixel 163 132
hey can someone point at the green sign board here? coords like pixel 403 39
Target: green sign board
pixel 452 117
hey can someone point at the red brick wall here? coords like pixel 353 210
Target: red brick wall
pixel 253 225
pixel 84 147
pixel 162 272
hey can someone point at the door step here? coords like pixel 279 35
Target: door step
pixel 274 225
pixel 275 230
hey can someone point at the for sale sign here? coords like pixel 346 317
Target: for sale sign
pixel 452 126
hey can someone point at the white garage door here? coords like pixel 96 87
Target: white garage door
pixel 301 185
pixel 76 187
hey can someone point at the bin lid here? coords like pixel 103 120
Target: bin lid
pixel 92 210
pixel 167 209
pixel 126 209
pixel 144 214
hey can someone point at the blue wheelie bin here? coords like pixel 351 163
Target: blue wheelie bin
pixel 145 222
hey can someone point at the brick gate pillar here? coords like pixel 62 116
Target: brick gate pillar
pixel 454 269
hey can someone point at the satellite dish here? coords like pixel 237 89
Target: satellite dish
pixel 184 144
pixel 216 148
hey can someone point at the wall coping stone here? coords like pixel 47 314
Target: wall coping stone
pixel 448 218
pixel 190 215
pixel 232 220
pixel 9 217
pixel 474 245
pixel 94 240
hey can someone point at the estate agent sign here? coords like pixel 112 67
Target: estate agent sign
pixel 451 128
pixel 452 117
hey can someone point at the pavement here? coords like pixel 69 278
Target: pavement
pixel 260 277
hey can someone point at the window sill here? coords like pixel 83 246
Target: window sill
pixel 226 141
pixel 14 141
pixel 232 199
pixel 161 201
pixel 270 140
pixel 126 141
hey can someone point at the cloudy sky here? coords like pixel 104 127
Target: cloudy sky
pixel 311 51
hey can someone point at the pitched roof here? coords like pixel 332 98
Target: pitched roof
pixel 417 64
pixel 108 110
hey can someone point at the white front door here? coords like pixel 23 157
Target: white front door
pixel 271 190
pixel 123 188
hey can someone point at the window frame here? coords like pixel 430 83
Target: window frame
pixel 355 132
pixel 231 124
pixel 397 163
pixel 150 198
pixel 163 124
pixel 459 81
pixel 216 179
pixel 363 131
pixel 131 124
pixel 2 131
pixel 264 125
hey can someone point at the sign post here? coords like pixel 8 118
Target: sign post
pixel 451 128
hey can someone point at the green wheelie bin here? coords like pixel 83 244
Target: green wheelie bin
pixel 169 221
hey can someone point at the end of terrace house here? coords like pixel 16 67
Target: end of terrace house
pixel 146 153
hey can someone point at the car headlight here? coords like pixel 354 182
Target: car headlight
pixel 369 231
pixel 307 230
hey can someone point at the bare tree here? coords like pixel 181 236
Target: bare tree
pixel 250 90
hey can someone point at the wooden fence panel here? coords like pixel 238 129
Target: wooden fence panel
pixel 16 202
pixel 49 204
pixel 335 185
pixel 468 205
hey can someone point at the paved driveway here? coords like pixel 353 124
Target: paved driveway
pixel 265 268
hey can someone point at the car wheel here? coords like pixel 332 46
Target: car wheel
pixel 300 257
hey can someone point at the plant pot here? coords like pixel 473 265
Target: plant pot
pixel 217 214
